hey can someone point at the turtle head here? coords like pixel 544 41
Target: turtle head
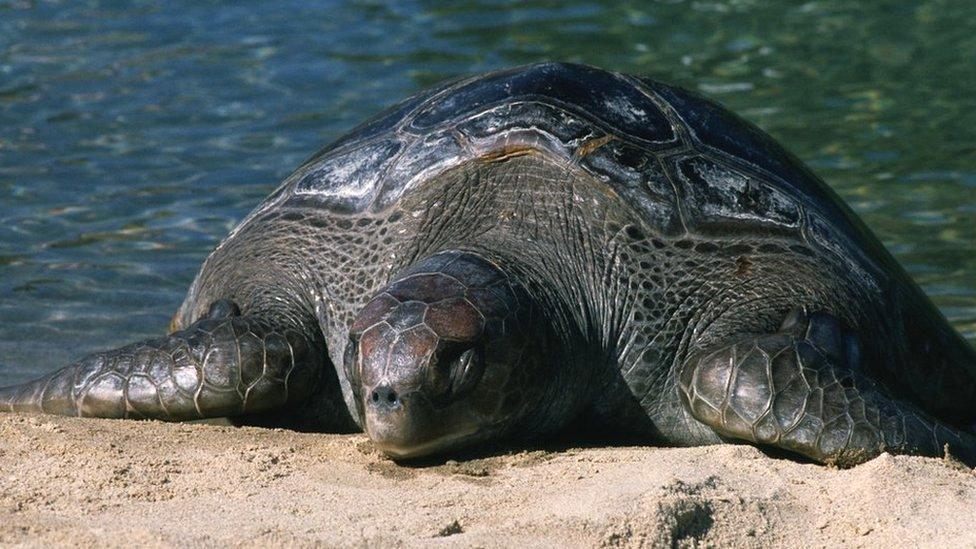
pixel 433 357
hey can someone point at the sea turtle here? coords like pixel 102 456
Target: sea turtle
pixel 541 249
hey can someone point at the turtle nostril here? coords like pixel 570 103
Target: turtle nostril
pixel 384 397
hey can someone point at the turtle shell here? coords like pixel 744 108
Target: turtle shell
pixel 688 165
pixel 595 187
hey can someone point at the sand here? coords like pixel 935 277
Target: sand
pixel 66 481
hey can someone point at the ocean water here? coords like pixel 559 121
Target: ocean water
pixel 134 135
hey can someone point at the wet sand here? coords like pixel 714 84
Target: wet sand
pixel 67 481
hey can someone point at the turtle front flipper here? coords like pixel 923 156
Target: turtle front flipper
pixel 801 390
pixel 222 365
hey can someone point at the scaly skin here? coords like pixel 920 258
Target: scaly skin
pixel 800 389
pixel 222 365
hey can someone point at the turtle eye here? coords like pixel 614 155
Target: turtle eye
pixel 454 372
pixel 466 371
pixel 350 360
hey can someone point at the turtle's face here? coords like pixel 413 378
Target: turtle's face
pixel 433 359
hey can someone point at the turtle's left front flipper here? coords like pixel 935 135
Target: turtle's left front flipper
pixel 222 365
pixel 800 389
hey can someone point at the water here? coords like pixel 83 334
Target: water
pixel 134 135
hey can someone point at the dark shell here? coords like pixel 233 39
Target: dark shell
pixel 686 163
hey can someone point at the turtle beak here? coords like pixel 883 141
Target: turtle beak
pixel 405 426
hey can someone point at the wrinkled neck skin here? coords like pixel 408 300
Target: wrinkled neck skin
pixel 452 352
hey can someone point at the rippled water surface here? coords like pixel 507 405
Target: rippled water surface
pixel 133 135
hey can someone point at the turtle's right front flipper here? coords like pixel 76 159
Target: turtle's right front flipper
pixel 222 365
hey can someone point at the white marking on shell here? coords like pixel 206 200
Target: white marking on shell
pixel 351 175
pixel 625 108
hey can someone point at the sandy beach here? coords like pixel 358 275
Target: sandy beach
pixel 84 482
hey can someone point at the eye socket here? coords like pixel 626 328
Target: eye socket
pixel 457 369
pixel 350 360
pixel 467 371
pixel 450 352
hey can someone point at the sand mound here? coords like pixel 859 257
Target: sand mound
pixel 119 483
